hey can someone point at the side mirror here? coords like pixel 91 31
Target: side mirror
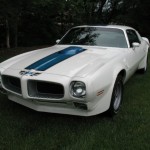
pixel 57 41
pixel 135 45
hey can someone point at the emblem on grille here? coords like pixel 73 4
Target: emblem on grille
pixel 29 73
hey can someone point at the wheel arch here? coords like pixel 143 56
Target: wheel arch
pixel 123 74
pixel 103 103
pixel 119 71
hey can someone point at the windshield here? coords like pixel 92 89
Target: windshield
pixel 95 36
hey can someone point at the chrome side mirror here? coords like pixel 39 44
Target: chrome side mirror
pixel 57 41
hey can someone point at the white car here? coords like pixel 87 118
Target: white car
pixel 83 74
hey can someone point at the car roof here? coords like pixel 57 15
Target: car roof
pixel 122 27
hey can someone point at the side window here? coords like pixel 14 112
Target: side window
pixel 133 37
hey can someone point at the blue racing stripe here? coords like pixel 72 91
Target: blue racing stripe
pixel 55 58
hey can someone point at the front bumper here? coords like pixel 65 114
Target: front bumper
pixel 88 106
pixel 66 104
pixel 51 107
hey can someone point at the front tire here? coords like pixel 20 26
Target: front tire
pixel 117 96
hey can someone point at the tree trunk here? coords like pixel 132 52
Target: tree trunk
pixel 7 35
pixel 16 34
pixel 100 10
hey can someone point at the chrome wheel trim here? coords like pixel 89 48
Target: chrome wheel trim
pixel 117 96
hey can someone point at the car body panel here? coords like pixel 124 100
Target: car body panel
pixel 97 67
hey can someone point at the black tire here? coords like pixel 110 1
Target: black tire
pixel 117 95
pixel 144 70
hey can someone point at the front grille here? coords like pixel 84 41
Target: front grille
pixel 12 83
pixel 41 89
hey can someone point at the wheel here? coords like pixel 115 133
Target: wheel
pixel 117 96
pixel 144 70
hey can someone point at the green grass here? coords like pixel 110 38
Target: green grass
pixel 25 129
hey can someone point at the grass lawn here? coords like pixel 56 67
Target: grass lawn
pixel 22 128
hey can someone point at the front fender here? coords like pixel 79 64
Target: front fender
pixel 118 70
pixel 7 63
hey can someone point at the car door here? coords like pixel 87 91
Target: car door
pixel 135 53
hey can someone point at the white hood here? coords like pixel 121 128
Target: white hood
pixel 78 65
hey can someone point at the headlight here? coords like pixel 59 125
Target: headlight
pixel 78 89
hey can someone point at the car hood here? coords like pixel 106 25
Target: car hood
pixel 78 65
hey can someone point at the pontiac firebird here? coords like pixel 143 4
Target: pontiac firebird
pixel 83 74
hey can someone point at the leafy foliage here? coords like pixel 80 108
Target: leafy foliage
pixel 38 22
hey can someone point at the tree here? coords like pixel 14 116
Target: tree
pixel 38 22
pixel 10 11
